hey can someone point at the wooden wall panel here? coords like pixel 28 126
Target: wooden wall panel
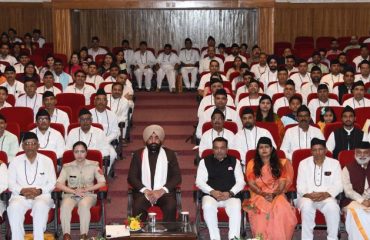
pixel 292 20
pixel 63 36
pixel 24 17
pixel 266 29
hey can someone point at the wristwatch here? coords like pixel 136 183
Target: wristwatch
pixel 231 194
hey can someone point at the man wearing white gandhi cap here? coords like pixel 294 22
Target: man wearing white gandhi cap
pixel 154 174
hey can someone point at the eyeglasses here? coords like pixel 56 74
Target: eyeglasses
pixel 30 143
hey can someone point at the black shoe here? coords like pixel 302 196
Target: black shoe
pixel 148 90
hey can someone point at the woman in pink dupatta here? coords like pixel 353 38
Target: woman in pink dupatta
pixel 270 214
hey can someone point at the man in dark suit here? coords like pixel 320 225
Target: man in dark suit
pixel 154 174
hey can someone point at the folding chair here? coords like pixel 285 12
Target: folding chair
pixel 21 115
pixel 62 57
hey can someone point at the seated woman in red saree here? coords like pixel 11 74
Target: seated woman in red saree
pixel 270 214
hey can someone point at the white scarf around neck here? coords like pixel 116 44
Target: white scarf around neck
pixel 160 175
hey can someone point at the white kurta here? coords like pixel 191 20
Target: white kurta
pixel 9 144
pixel 167 69
pixel 314 104
pixel 206 78
pixel 299 79
pixel 143 60
pixel 247 139
pixel 353 103
pixel 209 101
pixel 3 185
pixel 189 57
pixel 281 102
pixel 364 79
pixel 34 103
pixel 357 60
pixel 94 79
pixel 258 70
pixel 295 138
pixel 16 89
pixel 204 64
pixel 330 79
pixel 108 120
pixel 243 89
pixel 231 58
pixel 53 89
pixel 248 102
pixel 306 90
pixel 86 90
pixel 9 58
pixel 267 78
pixel 206 141
pixel 94 53
pixel 274 88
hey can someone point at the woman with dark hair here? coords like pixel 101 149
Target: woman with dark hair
pixel 270 214
pixel 49 66
pixel 120 60
pixel 327 115
pixel 237 67
pixel 265 113
pixel 73 64
pixel 84 55
pixel 30 73
pixel 109 59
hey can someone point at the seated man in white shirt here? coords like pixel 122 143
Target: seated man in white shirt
pixel 37 38
pixel 253 98
pixel 14 86
pixel 5 54
pixel 358 100
pixel 4 97
pixel 300 136
pixel 211 42
pixel 364 72
pixel 9 142
pixel 261 67
pixel 80 87
pixel 189 59
pixel 113 73
pixel 247 138
pixel 24 59
pixel 31 178
pixel 167 65
pixel 220 179
pixel 277 87
pixel 56 115
pixel 247 77
pixel 214 68
pixel 93 76
pixel 270 75
pixel 316 61
pixel 355 176
pixel 204 64
pixel 128 54
pixel 235 52
pixel 215 84
pixel 319 181
pixel 31 99
pixel 334 76
pixel 217 130
pixel 48 81
pixel 323 100
pixel 143 61
pixel 95 49
pixel 3 185
pixel 295 103
pixel 302 75
pixel 128 91
pixel 348 80
pixel 364 55
pixel 108 120
pixel 49 138
pixel 311 87
pixel 289 91
pixel 290 64
pixel 220 98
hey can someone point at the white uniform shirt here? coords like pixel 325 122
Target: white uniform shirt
pixel 95 139
pixel 281 102
pixel 202 178
pixel 306 90
pixel 299 79
pixel 129 56
pixel 243 89
pixel 295 139
pixel 3 185
pixel 330 80
pixel 53 89
pixel 19 68
pixel 94 53
pixel 247 139
pixel 120 106
pixel 357 60
pixel 268 77
pixel 258 70
pixel 230 115
pixel 9 58
pixel 61 117
pixel 359 77
pixel 326 178
pixel 248 102
pixel 142 60
pixel 348 188
pixel 39 174
pixel 94 79
pixel 16 89
pixel 189 56
pixel 87 91
pixel 231 58
pixel 34 103
pixel 314 104
pixel 353 103
pixel 9 144
pixel 204 64
pixel 167 60
pixel 274 88
pixel 108 120
pixel 206 78
pixel 206 141
pixel 209 101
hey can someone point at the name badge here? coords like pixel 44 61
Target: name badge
pixel 327 173
pixel 72 176
pixel 41 173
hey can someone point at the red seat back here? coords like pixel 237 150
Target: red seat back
pixel 233 127
pixel 93 155
pixel 345 157
pixel 362 115
pixel 14 128
pixel 72 100
pixel 21 115
pixel 3 157
pixel 76 125
pixel 56 126
pixel 337 112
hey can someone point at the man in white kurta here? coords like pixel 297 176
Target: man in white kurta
pixel 364 74
pixel 93 76
pixel 189 59
pixel 319 181
pixel 364 55
pixel 356 179
pixel 300 136
pixel 253 98
pixel 119 105
pixel 311 87
pixel 271 75
pixel 289 91
pixel 334 76
pixel 48 84
pixel 95 48
pixel 214 72
pixel 143 61
pixel 31 180
pixel 217 130
pixel 24 59
pixel 5 56
pixel 323 100
pixel 14 86
pixel 49 138
pixel 31 99
pixel 128 54
pixel 204 63
pixel 358 100
pixel 56 115
pixel 81 87
pixel 247 138
pixel 278 86
pixel 219 190
pixel 8 141
pixel 167 64
pixel 302 76
pixel 261 67
pixel 3 184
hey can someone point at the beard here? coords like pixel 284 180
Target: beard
pixel 316 79
pixel 154 147
pixel 248 126
pixel 363 160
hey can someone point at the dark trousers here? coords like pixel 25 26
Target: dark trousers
pixel 167 203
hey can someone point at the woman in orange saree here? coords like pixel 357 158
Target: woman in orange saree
pixel 270 214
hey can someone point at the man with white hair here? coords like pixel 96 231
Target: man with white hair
pixel 154 174
pixel 356 179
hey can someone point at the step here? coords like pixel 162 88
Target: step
pixel 173 115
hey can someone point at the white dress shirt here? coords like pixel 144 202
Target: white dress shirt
pixel 40 41
pixel 3 185
pixel 209 101
pixel 168 60
pixel 120 106
pixel 274 88
pixel 61 117
pixel 94 79
pixel 95 139
pixel 16 89
pixel 306 90
pixel 243 89
pixel 34 103
pixel 94 53
pixel 248 102
pixel 39 174
pixel 87 91
pixel 281 102
pixel 53 89
pixel 9 144
pixel 364 79
pixel 144 59
pixel 206 78
pixel 299 79
pixel 189 56
pixel 357 60
pixel 204 64
pixel 258 70
pixel 268 77
pixel 9 58
pixel 330 80
pixel 206 141
pixel 247 139
pixel 348 188
pixel 295 138
pixel 353 103
pixel 314 104
pixel 324 178
pixel 108 120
